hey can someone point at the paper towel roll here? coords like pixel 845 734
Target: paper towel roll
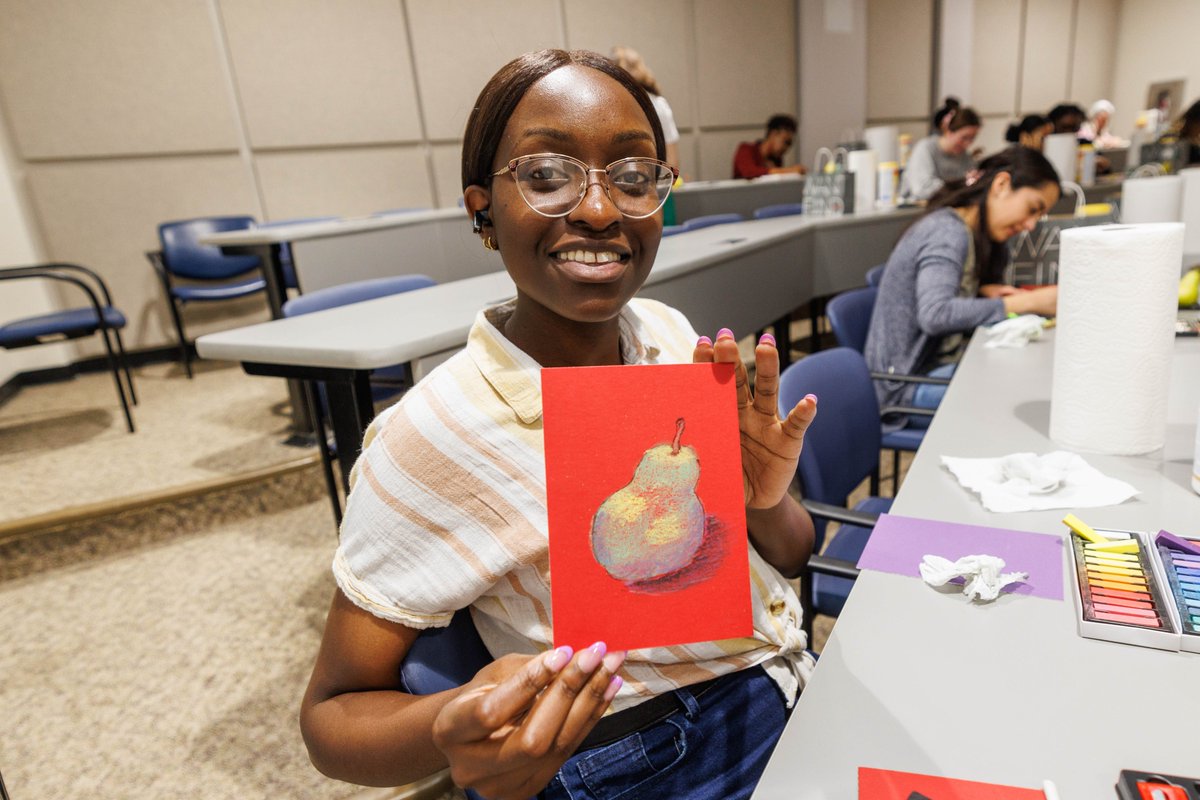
pixel 862 164
pixel 882 139
pixel 1157 199
pixel 1190 213
pixel 1117 293
pixel 1060 150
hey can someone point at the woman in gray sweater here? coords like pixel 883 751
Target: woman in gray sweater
pixel 942 278
pixel 943 157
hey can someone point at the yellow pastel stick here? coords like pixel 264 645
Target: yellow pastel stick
pixel 1102 555
pixel 1109 569
pixel 1114 546
pixel 1083 529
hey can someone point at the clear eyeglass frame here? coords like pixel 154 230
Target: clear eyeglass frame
pixel 663 184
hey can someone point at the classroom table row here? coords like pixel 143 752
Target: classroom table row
pixel 917 680
pixel 744 276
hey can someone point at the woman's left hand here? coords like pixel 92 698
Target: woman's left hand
pixel 770 446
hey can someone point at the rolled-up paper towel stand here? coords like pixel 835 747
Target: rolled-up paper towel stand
pixel 1117 296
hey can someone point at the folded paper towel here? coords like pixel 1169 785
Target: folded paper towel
pixel 1029 482
pixel 982 577
pixel 1015 332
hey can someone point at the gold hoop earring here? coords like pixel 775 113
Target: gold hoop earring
pixel 490 243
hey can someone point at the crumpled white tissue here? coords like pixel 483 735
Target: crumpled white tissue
pixel 982 573
pixel 1015 332
pixel 1029 482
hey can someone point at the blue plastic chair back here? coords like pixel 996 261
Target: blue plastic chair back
pixel 356 292
pixel 672 230
pixel 875 275
pixel 444 658
pixel 849 315
pixel 779 210
pixel 695 223
pixel 841 447
pixel 186 257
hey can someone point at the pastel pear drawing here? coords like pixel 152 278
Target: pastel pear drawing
pixel 654 524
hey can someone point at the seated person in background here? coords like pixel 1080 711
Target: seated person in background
pixel 1186 130
pixel 1066 118
pixel 941 158
pixel 943 114
pixel 1095 129
pixel 942 278
pixel 765 156
pixel 562 159
pixel 631 61
pixel 1030 132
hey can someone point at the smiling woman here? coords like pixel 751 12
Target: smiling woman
pixel 563 175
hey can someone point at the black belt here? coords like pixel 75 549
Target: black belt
pixel 619 725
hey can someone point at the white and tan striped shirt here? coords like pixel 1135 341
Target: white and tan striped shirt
pixel 447 509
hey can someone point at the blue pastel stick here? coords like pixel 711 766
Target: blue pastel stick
pixel 1184 558
pixel 1177 543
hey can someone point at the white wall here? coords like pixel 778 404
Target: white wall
pixel 833 73
pixel 19 247
pixel 1157 40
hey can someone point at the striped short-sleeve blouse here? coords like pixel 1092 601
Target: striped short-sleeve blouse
pixel 447 509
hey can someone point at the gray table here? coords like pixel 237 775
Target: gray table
pixel 737 196
pixel 743 276
pixel 917 681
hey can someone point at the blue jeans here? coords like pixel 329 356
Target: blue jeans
pixel 929 395
pixel 714 748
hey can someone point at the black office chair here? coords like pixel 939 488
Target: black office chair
pixel 210 274
pixel 99 316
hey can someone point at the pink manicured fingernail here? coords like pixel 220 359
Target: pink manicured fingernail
pixel 704 340
pixel 812 397
pixel 767 338
pixel 559 658
pixel 590 659
pixel 614 660
pixel 614 686
pixel 724 333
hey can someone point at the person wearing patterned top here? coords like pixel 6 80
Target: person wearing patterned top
pixel 447 507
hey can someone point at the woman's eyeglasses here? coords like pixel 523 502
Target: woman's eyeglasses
pixel 554 185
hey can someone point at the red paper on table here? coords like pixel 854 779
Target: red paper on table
pixel 646 505
pixel 885 784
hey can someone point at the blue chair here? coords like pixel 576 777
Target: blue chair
pixel 696 223
pixel 98 316
pixel 849 315
pixel 386 382
pixel 841 450
pixel 875 275
pixel 672 230
pixel 779 210
pixel 286 266
pixel 210 274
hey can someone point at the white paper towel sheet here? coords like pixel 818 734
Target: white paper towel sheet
pixel 1060 150
pixel 862 164
pixel 1157 199
pixel 1190 214
pixel 1117 297
pixel 883 139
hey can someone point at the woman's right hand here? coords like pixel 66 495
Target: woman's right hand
pixel 511 728
pixel 1042 301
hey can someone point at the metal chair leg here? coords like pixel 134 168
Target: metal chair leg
pixel 125 365
pixel 184 354
pixel 116 373
pixel 319 430
pixel 895 472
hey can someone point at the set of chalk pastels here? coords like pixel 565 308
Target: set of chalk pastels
pixel 1180 559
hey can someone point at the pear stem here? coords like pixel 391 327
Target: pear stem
pixel 678 436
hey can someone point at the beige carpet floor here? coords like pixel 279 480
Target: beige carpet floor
pixel 64 445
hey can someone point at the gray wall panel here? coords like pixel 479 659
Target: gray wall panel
pixel 311 72
pixel 343 183
pixel 81 78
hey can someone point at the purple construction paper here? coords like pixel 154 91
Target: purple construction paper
pixel 898 544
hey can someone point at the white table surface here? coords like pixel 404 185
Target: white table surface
pixel 918 681
pixel 742 275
